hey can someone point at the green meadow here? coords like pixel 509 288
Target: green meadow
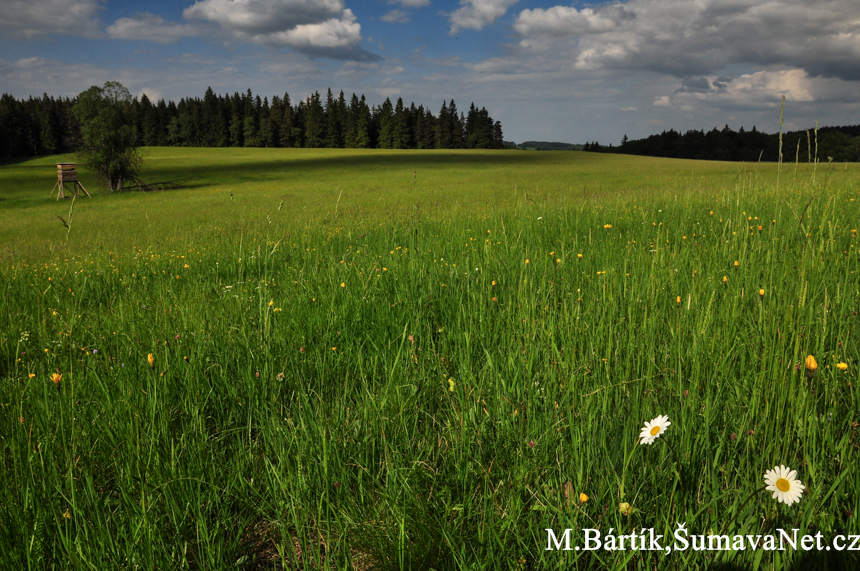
pixel 344 359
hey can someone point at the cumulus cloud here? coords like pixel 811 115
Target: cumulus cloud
pixel 687 39
pixel 317 27
pixel 475 14
pixel 396 17
pixel 763 89
pixel 260 17
pixel 146 26
pixel 28 19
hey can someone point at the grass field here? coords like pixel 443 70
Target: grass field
pixel 421 360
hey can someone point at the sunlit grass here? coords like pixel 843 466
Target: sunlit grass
pixel 422 360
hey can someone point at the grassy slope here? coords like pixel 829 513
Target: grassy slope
pixel 374 184
pixel 300 393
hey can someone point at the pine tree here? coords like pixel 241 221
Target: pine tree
pixel 363 128
pixel 237 122
pixel 386 125
pixel 350 139
pixel 210 119
pixel 251 120
pixel 498 139
pixel 443 128
pixel 285 127
pixel 314 122
pixel 457 124
pixel 398 126
pixel 333 135
pixel 266 135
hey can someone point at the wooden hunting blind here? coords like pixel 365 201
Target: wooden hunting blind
pixel 67 174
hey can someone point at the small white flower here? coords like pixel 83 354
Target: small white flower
pixel 654 429
pixel 781 481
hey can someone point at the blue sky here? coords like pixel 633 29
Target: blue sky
pixel 548 70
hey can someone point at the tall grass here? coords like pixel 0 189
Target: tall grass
pixel 408 387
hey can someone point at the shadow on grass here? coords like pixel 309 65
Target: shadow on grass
pixel 405 160
pixel 10 161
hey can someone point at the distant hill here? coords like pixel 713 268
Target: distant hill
pixel 547 146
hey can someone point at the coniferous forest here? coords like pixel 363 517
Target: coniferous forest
pixel 46 125
pixel 839 143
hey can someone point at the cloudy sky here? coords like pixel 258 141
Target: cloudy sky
pixel 570 71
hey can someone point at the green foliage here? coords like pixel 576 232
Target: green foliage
pixel 839 143
pixel 108 134
pixel 299 411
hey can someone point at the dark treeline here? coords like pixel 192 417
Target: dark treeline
pixel 841 143
pixel 45 125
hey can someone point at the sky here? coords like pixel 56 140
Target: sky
pixel 548 70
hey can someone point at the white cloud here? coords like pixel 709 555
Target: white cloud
pixel 563 21
pixel 475 14
pixel 317 27
pixel 36 19
pixel 765 89
pixel 152 94
pixel 332 33
pixel 410 3
pixel 263 17
pixel 396 17
pixel 146 26
pixel 683 38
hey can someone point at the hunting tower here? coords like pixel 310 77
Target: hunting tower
pixel 66 173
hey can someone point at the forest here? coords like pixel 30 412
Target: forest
pixel 839 143
pixel 46 125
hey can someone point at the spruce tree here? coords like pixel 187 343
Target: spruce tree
pixel 314 122
pixel 385 115
pixel 363 134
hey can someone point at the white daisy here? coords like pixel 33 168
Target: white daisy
pixel 781 481
pixel 654 429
